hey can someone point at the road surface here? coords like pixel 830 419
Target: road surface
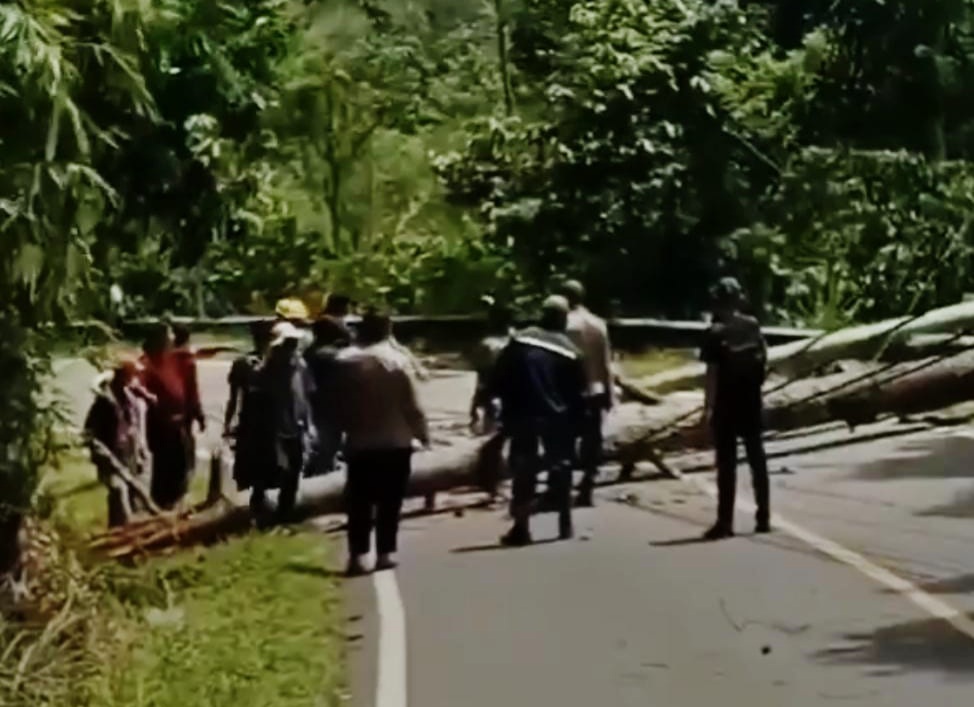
pixel 635 611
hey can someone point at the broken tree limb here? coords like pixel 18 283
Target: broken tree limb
pixel 103 454
pixel 801 357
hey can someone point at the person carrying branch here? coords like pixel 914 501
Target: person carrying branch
pixel 113 431
pixel 736 356
pixel 540 380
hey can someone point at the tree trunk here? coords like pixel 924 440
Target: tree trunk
pixel 803 357
pixel 10 525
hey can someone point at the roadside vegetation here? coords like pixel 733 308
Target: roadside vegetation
pixel 253 622
pixel 210 156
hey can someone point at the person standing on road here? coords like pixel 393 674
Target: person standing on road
pixel 288 434
pixel 242 421
pixel 736 357
pixel 484 409
pixel 330 337
pixel 590 334
pixel 381 417
pixel 541 382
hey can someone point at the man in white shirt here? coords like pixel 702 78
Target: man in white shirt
pixel 379 412
pixel 590 334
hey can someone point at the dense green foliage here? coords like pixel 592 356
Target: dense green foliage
pixel 210 156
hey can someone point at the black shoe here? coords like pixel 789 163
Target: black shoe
pixel 718 532
pixel 356 568
pixel 516 537
pixel 762 527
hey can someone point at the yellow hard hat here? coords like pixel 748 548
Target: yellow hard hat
pixel 291 308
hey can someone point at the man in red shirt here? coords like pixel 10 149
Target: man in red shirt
pixel 168 420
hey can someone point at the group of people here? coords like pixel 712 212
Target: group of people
pixel 305 395
pixel 293 408
pixel 548 388
pixel 141 424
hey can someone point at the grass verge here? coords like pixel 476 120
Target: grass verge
pixel 253 623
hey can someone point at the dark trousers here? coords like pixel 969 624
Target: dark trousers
pixel 325 450
pixel 557 439
pixel 281 469
pixel 374 491
pixel 730 424
pixel 171 445
pixel 590 441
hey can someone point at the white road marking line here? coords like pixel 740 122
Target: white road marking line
pixel 906 589
pixel 391 682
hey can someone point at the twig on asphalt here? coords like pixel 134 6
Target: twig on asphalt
pixel 726 613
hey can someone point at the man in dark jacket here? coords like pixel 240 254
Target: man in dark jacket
pixel 736 357
pixel 540 381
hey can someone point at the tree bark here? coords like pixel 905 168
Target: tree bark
pixel 803 357
pixel 10 525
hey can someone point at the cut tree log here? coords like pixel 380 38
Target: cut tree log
pixel 803 357
pixel 470 461
pixel 633 433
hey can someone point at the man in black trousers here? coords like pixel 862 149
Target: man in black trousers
pixel 736 357
pixel 379 412
pixel 541 383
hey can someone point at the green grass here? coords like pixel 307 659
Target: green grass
pixel 78 500
pixel 253 623
pixel 256 621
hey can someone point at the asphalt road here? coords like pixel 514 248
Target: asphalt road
pixel 635 611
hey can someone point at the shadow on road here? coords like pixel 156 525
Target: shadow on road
pixel 962 506
pixel 930 644
pixel 497 546
pixel 682 542
pixel 961 584
pixel 947 458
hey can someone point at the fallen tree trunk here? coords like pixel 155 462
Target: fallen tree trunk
pixel 467 461
pixel 633 433
pixel 803 357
